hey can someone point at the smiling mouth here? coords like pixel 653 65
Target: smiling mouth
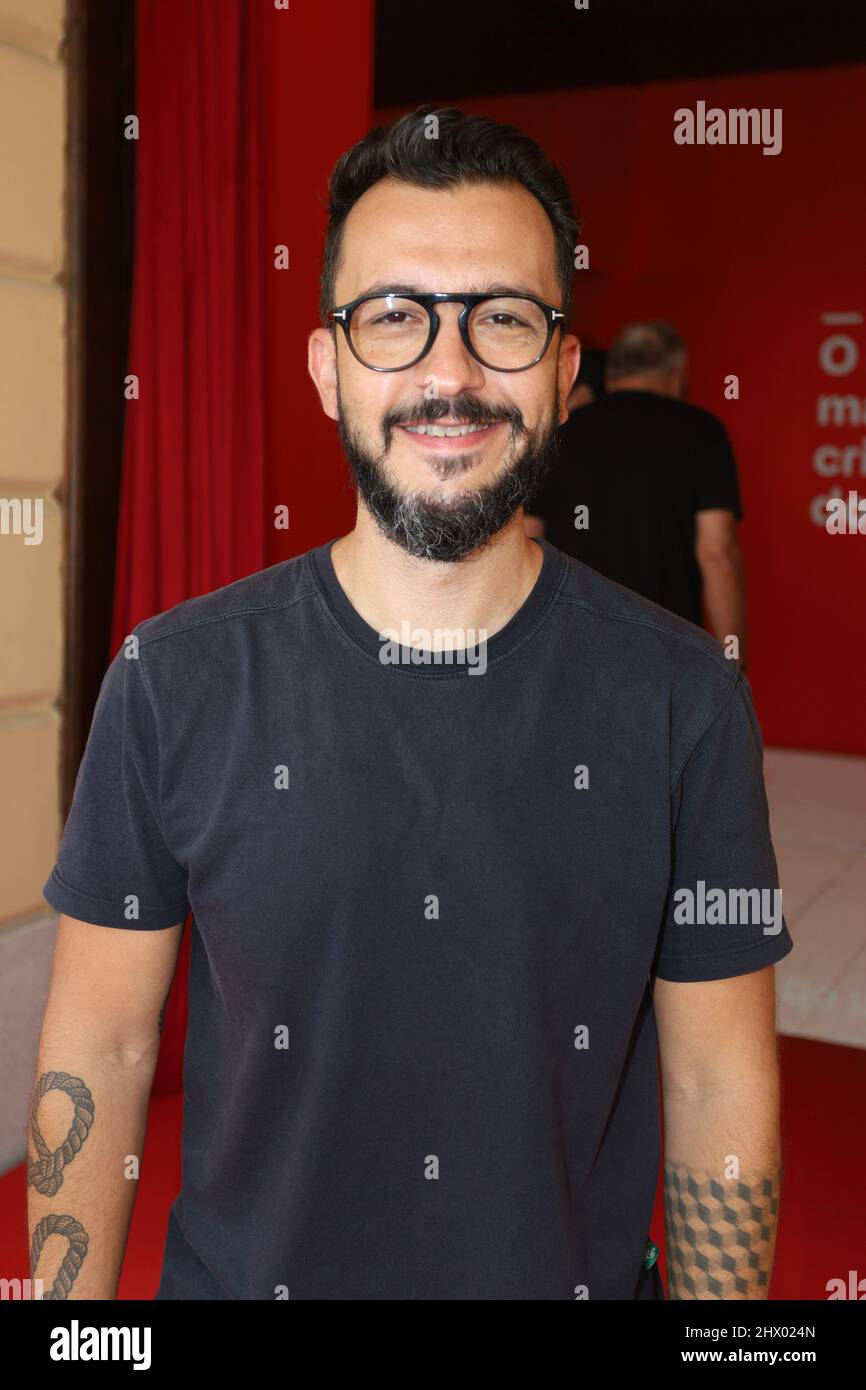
pixel 443 431
pixel 449 430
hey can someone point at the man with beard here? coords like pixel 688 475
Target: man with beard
pixel 438 927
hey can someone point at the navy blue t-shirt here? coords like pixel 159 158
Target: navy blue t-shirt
pixel 428 904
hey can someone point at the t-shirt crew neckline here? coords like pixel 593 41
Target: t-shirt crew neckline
pixel 507 639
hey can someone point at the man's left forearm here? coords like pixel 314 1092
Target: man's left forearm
pixel 722 1187
pixel 724 594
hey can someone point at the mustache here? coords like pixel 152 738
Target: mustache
pixel 466 410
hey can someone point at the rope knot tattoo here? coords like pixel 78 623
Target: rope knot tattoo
pixel 73 1259
pixel 46 1172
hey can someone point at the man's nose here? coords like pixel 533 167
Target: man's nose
pixel 449 366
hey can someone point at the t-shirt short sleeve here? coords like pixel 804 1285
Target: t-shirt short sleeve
pixel 716 483
pixel 113 867
pixel 723 915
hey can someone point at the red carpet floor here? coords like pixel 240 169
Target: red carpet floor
pixel 822 1228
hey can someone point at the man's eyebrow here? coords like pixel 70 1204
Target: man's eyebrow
pixel 485 287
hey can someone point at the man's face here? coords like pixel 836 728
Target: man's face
pixel 442 497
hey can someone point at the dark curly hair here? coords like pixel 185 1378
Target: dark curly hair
pixel 469 149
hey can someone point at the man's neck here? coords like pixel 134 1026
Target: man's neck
pixel 658 385
pixel 481 593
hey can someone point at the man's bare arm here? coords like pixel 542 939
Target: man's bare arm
pixel 720 562
pixel 722 1175
pixel 97 1055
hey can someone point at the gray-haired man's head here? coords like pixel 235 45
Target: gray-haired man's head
pixel 647 357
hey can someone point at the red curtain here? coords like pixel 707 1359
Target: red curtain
pixel 192 499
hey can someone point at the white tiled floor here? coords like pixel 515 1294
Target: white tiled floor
pixel 818 821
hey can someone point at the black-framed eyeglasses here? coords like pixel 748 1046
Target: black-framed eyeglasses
pixel 390 332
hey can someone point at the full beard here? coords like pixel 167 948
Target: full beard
pixel 429 527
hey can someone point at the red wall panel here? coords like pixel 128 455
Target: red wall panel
pixel 744 252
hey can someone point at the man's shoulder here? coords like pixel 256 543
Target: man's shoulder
pixel 701 420
pixel 241 602
pixel 651 404
pixel 667 675
pixel 646 638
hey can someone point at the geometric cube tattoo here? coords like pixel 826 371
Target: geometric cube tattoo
pixel 720 1233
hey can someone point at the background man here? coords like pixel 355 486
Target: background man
pixel 659 482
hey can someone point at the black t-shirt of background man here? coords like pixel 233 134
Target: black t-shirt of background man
pixel 642 464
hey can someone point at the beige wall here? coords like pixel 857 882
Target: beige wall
pixel 32 410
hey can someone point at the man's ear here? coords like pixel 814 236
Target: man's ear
pixel 322 366
pixel 568 366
